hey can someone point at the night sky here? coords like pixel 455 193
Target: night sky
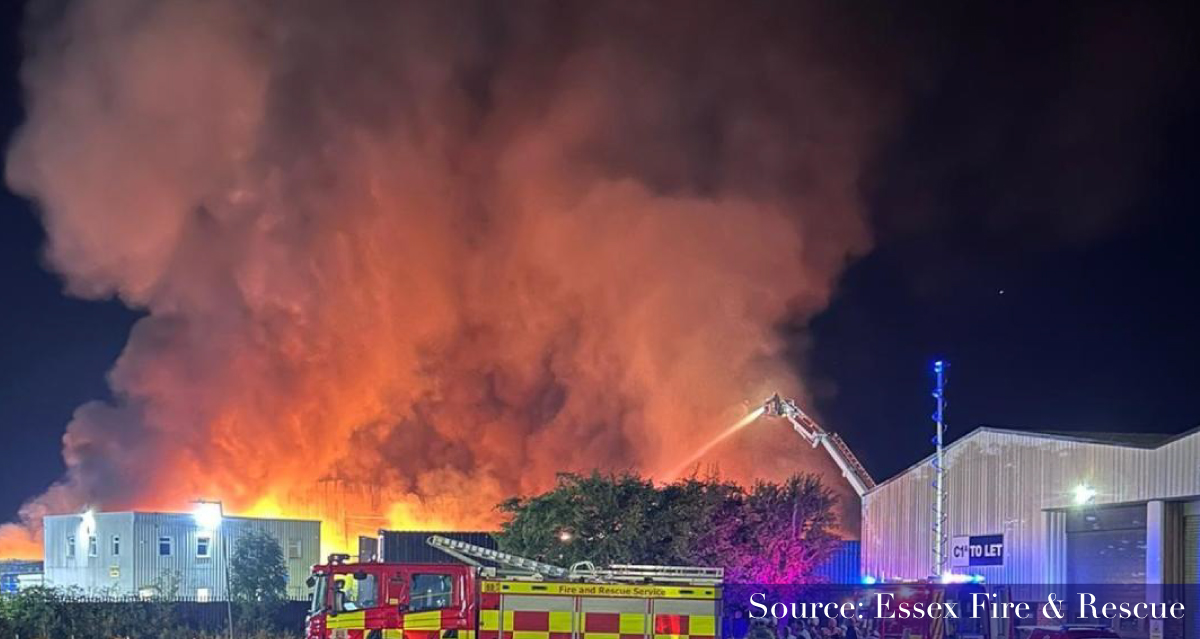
pixel 1034 218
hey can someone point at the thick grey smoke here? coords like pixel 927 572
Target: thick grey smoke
pixel 440 249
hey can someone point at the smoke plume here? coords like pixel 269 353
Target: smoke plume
pixel 401 260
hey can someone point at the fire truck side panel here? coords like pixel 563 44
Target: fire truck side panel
pixel 538 610
pixel 614 618
pixel 684 619
pixel 532 617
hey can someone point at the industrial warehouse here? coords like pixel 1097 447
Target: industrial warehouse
pixel 1027 507
pixel 143 554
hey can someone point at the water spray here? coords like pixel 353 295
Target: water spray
pixel 726 434
pixel 779 407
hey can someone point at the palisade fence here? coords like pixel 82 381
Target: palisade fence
pixel 46 613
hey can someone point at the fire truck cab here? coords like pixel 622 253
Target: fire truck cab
pixel 363 600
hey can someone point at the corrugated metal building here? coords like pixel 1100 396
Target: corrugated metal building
pixel 1038 508
pixel 144 554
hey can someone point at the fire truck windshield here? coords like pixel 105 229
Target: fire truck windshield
pixel 318 598
pixel 354 592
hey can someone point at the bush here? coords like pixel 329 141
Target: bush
pixel 47 613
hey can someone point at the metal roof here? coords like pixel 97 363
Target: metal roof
pixel 1147 441
pixel 143 513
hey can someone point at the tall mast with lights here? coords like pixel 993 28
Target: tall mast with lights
pixel 939 471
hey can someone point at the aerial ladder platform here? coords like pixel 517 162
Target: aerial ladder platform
pixel 811 431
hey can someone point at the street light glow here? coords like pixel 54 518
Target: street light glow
pixel 565 536
pixel 208 514
pixel 1083 494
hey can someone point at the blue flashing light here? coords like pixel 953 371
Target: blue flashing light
pixel 977 578
pixel 868 580
pixel 938 366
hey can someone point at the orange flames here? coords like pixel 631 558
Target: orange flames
pixel 401 261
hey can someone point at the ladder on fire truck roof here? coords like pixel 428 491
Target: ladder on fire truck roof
pixel 584 570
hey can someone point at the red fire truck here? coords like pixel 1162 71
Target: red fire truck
pixel 931 595
pixel 521 599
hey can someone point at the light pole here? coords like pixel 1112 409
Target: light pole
pixel 209 516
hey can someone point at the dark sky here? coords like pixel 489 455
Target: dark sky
pixel 1034 210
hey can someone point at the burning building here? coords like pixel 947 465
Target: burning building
pixel 399 261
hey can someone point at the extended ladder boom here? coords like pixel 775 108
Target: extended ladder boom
pixel 470 553
pixel 811 431
pixel 584 570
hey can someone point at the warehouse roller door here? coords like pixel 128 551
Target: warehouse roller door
pixel 1107 545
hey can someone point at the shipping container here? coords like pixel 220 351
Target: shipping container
pixel 842 565
pixel 409 547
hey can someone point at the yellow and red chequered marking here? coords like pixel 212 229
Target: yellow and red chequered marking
pixel 400 633
pixel 430 624
pixel 524 624
pixel 347 621
pixel 636 591
pixel 613 625
pixel 685 626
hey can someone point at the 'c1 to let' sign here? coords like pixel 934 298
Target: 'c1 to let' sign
pixel 977 550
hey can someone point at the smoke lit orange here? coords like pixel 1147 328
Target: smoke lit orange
pixel 393 293
pixel 706 448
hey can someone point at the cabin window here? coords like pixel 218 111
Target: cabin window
pixel 430 592
pixel 355 592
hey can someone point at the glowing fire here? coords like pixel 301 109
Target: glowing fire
pixel 394 294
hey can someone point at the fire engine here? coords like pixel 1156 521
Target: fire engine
pixel 520 599
pixel 926 595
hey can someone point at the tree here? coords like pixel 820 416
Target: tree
pixel 790 528
pixel 257 571
pixel 598 518
pixel 773 533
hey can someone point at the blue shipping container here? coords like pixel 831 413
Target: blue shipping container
pixel 842 567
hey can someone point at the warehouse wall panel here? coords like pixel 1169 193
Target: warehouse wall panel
pixel 1004 482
